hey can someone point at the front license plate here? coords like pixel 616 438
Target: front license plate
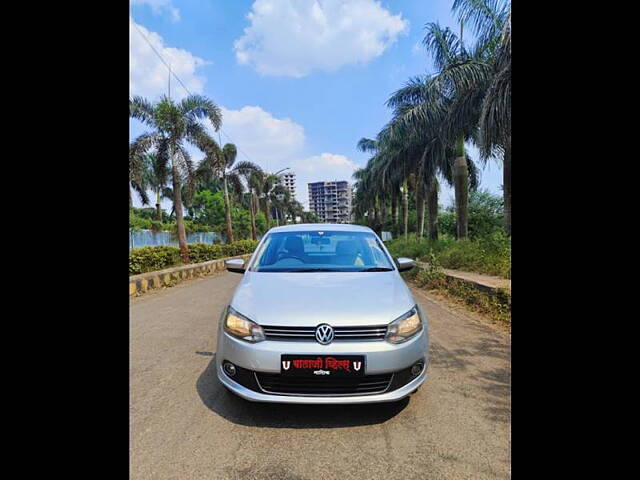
pixel 322 365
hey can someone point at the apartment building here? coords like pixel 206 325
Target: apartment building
pixel 289 182
pixel 331 201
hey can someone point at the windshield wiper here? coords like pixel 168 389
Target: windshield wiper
pixel 314 270
pixel 377 269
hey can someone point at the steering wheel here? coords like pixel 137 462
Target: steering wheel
pixel 288 255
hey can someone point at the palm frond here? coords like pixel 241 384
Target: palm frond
pixel 245 168
pixel 196 107
pixel 487 17
pixel 443 45
pixel 229 154
pixel 235 183
pixel 367 145
pixel 143 110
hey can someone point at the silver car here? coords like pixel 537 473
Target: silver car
pixel 322 316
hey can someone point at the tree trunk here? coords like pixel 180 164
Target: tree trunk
pixel 506 189
pixel 267 213
pixel 227 211
pixel 383 213
pixel 394 210
pixel 158 209
pixel 177 206
pixel 254 235
pixel 130 199
pixel 432 205
pixel 461 186
pixel 419 208
pixel 376 213
pixel 405 207
pixel 424 208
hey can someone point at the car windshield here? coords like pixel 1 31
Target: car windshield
pixel 321 251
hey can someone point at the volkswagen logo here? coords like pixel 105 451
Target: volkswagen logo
pixel 324 334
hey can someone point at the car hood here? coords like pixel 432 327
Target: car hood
pixel 337 298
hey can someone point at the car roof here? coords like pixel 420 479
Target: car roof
pixel 344 227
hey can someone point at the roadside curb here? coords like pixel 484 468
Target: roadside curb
pixel 143 282
pixel 494 301
pixel 480 285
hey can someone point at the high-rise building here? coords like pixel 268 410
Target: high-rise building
pixel 331 201
pixel 289 182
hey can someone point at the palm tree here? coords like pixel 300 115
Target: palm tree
pixel 252 178
pixel 137 175
pixel 491 20
pixel 407 157
pixel 468 98
pixel 495 116
pixel 174 124
pixel 264 185
pixel 157 178
pixel 222 163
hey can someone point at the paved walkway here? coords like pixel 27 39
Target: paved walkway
pixel 489 281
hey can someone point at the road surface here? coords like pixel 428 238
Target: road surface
pixel 185 425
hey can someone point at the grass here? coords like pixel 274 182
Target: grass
pixel 490 255
pixel 496 304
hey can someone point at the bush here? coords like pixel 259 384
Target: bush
pixel 490 254
pixel 485 215
pixel 149 259
pixel 432 276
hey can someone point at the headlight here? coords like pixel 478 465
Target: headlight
pixel 405 327
pixel 241 327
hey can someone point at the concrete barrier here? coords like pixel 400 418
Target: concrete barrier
pixel 139 284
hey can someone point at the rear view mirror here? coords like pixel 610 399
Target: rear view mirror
pixel 404 264
pixel 235 265
pixel 320 240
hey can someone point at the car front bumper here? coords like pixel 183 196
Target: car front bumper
pixel 381 358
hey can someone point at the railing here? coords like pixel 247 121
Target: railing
pixel 148 238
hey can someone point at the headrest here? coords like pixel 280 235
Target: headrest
pixel 294 244
pixel 346 248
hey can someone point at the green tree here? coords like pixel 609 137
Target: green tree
pixel 222 164
pixel 173 124
pixel 208 209
pixel 486 215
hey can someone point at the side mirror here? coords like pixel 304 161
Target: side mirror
pixel 404 264
pixel 235 265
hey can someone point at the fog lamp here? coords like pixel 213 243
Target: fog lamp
pixel 229 368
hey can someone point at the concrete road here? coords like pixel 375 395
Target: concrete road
pixel 185 425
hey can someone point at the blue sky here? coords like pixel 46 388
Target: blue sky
pixel 299 81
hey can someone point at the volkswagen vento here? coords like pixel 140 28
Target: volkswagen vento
pixel 322 316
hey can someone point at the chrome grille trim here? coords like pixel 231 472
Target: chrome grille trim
pixel 365 333
pixel 377 386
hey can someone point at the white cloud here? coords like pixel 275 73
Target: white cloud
pixel 149 77
pixel 276 143
pixel 267 140
pixel 295 37
pixel 160 6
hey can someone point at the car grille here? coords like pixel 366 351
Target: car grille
pixel 341 334
pixel 311 386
